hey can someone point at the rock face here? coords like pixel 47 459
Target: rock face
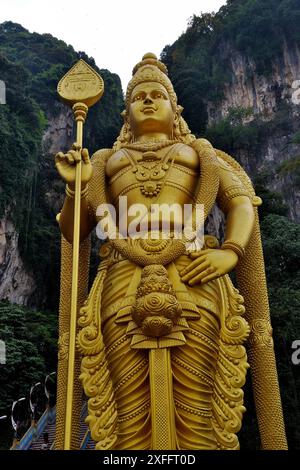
pixel 262 94
pixel 17 285
pixel 59 133
pixel 59 136
pixel 275 99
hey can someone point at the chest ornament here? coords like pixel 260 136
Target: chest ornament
pixel 151 176
pixel 151 171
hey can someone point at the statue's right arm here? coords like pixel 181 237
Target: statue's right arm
pixel 66 166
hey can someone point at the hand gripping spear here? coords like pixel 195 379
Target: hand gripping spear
pixel 80 88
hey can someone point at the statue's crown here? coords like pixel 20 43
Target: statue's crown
pixel 150 59
pixel 150 69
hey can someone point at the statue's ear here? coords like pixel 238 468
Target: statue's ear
pixel 178 112
pixel 124 115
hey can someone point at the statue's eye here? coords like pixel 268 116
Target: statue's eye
pixel 137 98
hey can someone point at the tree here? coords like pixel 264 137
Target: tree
pixel 31 350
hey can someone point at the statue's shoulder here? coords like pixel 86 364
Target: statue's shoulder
pixel 101 156
pixel 228 163
pixel 238 176
pixel 220 158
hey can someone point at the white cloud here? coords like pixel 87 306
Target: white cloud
pixel 116 32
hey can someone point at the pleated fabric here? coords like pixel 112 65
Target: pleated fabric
pixel 193 365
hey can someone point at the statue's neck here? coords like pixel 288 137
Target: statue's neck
pixel 150 136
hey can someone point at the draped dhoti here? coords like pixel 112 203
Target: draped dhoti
pixel 206 373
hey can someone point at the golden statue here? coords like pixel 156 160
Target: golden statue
pixel 160 336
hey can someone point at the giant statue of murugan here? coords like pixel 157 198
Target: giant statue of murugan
pixel 160 340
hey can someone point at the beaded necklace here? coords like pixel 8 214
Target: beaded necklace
pixel 151 145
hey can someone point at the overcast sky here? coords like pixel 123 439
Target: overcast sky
pixel 115 32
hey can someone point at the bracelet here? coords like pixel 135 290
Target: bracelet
pixel 234 246
pixel 71 194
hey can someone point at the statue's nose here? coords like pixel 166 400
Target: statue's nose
pixel 148 100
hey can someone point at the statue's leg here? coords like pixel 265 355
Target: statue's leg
pixel 129 368
pixel 193 367
pixel 210 369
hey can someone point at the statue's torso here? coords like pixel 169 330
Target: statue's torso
pixel 167 176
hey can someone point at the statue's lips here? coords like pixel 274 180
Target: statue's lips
pixel 149 110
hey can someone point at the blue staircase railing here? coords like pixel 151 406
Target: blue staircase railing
pixel 35 431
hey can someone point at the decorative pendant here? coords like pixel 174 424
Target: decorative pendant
pixel 156 309
pixel 150 174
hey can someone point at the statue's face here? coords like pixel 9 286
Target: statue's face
pixel 150 110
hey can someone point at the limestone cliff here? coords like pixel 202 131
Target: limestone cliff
pixel 17 284
pixel 249 89
pixel 59 136
pixel 17 281
pixel 274 99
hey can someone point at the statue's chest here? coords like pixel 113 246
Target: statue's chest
pixel 149 173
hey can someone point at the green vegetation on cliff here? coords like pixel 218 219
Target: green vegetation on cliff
pixel 31 353
pixel 30 338
pixel 199 61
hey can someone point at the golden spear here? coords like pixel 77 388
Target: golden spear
pixel 80 88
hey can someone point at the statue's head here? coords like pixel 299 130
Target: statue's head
pixel 150 69
pixel 150 82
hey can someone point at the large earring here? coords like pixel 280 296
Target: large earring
pixel 176 127
pixel 177 133
pixel 126 130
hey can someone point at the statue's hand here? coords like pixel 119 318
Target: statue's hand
pixel 208 265
pixel 66 165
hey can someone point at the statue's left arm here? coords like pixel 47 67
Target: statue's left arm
pixel 234 199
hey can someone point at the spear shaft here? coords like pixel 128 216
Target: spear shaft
pixel 80 112
pixel 81 88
